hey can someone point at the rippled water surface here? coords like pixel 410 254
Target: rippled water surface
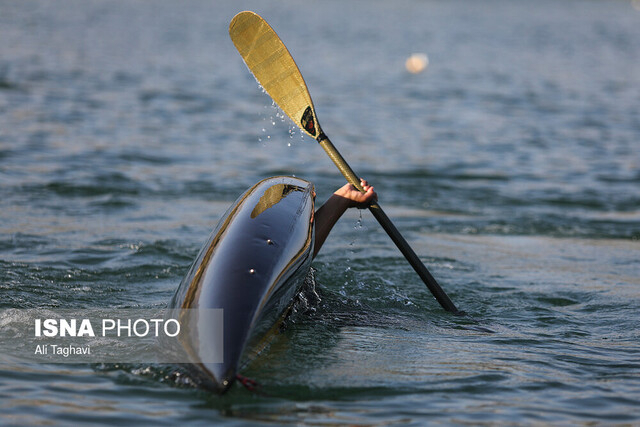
pixel 511 165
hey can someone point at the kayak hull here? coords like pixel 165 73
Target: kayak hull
pixel 252 266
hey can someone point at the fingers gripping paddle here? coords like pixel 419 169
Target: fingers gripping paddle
pixel 274 68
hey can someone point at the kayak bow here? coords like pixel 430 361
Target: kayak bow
pixel 252 266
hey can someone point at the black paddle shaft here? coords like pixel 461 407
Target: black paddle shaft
pixel 388 226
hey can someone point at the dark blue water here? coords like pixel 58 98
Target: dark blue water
pixel 511 165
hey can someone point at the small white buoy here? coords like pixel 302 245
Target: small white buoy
pixel 417 63
pixel 252 271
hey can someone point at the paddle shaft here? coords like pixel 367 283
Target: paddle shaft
pixel 388 226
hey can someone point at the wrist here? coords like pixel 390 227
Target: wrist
pixel 339 200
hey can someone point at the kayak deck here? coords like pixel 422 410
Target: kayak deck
pixel 252 266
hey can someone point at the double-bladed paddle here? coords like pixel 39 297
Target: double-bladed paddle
pixel 274 68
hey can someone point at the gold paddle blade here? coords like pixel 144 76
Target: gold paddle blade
pixel 274 68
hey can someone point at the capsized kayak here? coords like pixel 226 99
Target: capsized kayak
pixel 252 266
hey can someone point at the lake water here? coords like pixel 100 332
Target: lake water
pixel 511 165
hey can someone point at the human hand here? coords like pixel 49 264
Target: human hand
pixel 355 197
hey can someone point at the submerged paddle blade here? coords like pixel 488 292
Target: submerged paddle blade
pixel 274 68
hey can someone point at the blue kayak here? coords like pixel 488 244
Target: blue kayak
pixel 252 266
